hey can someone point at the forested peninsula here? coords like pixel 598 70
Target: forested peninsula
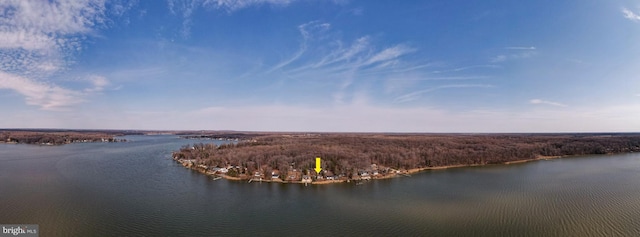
pixel 290 158
pixel 57 137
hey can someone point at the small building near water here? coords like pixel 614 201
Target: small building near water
pixel 275 174
pixel 306 179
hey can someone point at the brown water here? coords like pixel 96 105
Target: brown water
pixel 134 188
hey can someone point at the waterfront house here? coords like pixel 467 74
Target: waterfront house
pixel 365 176
pixel 328 173
pixel 306 179
pixel 294 175
pixel 275 174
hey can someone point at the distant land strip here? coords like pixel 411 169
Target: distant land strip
pixel 346 157
pixel 57 137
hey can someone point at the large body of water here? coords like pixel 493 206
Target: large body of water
pixel 134 189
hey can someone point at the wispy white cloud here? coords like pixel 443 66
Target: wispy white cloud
pixel 506 57
pixel 361 55
pixel 234 5
pixel 630 15
pixel 47 97
pixel 58 17
pixel 324 56
pixel 288 61
pixel 186 8
pixel 467 68
pixel 416 94
pixel 389 54
pixel 38 39
pixel 513 53
pixel 350 67
pixel 401 83
pixel 451 78
pixel 358 11
pixel 40 34
pixel 499 58
pixel 137 73
pixel 308 31
pixel 358 55
pixel 98 82
pixel 546 102
pixel 340 54
pixel 520 48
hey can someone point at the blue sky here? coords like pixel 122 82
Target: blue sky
pixel 352 66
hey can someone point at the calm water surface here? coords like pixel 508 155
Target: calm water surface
pixel 135 189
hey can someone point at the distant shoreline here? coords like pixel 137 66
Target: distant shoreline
pixel 55 138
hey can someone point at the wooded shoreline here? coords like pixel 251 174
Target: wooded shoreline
pixel 321 182
pixel 57 137
pixel 289 158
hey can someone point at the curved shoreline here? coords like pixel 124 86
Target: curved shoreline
pixel 358 157
pixel 397 174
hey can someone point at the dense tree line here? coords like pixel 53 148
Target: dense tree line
pixel 350 154
pixel 56 138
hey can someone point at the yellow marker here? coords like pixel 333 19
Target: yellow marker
pixel 318 169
